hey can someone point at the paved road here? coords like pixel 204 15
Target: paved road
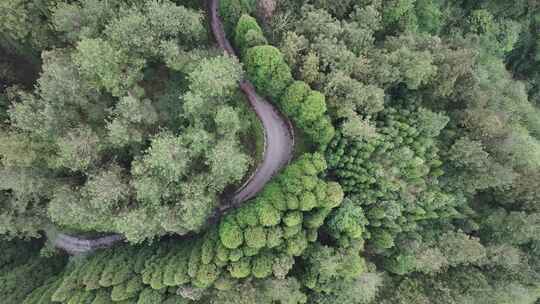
pixel 279 137
pixel 278 150
pixel 279 144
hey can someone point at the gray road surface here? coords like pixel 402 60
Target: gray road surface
pixel 279 144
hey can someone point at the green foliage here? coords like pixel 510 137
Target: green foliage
pixel 255 237
pixel 271 75
pixel 23 270
pixel 244 245
pixel 106 67
pixel 230 233
pixel 307 108
pixel 248 34
pixel 106 151
pixel 267 69
pixel 326 265
pixel 232 10
pixel 347 223
pixel 380 174
pixel 428 121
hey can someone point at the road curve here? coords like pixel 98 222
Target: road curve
pixel 278 150
pixel 278 132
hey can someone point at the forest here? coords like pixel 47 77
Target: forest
pixel 409 174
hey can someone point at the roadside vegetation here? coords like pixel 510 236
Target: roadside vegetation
pixel 416 176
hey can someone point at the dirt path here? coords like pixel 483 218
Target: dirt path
pixel 279 144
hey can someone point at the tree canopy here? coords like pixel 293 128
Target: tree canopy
pixel 416 169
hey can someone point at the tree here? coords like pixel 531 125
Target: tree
pixel 231 11
pixel 230 234
pixel 415 164
pixel 215 77
pixel 107 67
pixel 347 223
pixel 248 34
pixel 308 109
pixel 266 67
pixel 79 150
pixel 21 274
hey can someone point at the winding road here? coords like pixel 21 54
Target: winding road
pixel 278 150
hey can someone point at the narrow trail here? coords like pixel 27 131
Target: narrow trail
pixel 279 145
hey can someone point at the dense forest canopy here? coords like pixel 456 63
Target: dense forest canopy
pixel 416 176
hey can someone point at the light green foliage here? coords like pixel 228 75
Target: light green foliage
pixel 293 218
pixel 99 132
pixel 307 108
pixel 474 169
pixel 255 237
pixel 20 195
pixel 326 265
pixel 348 222
pixel 268 71
pixel 262 265
pixel 231 11
pixel 283 291
pixel 266 291
pixel 348 96
pixel 268 215
pixel 149 296
pixel 127 290
pixel 230 233
pixel 361 290
pixel 216 77
pixel 132 120
pixel 241 268
pixel 516 228
pixel 448 250
pixel 106 67
pixel 243 245
pixel 271 75
pixel 461 249
pixel 81 20
pixel 415 68
pixel 248 33
pixel 78 150
pixel 167 19
pixel 480 21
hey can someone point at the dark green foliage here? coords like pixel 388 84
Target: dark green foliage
pixel 23 270
pixel 258 248
pixel 394 176
pixel 426 110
